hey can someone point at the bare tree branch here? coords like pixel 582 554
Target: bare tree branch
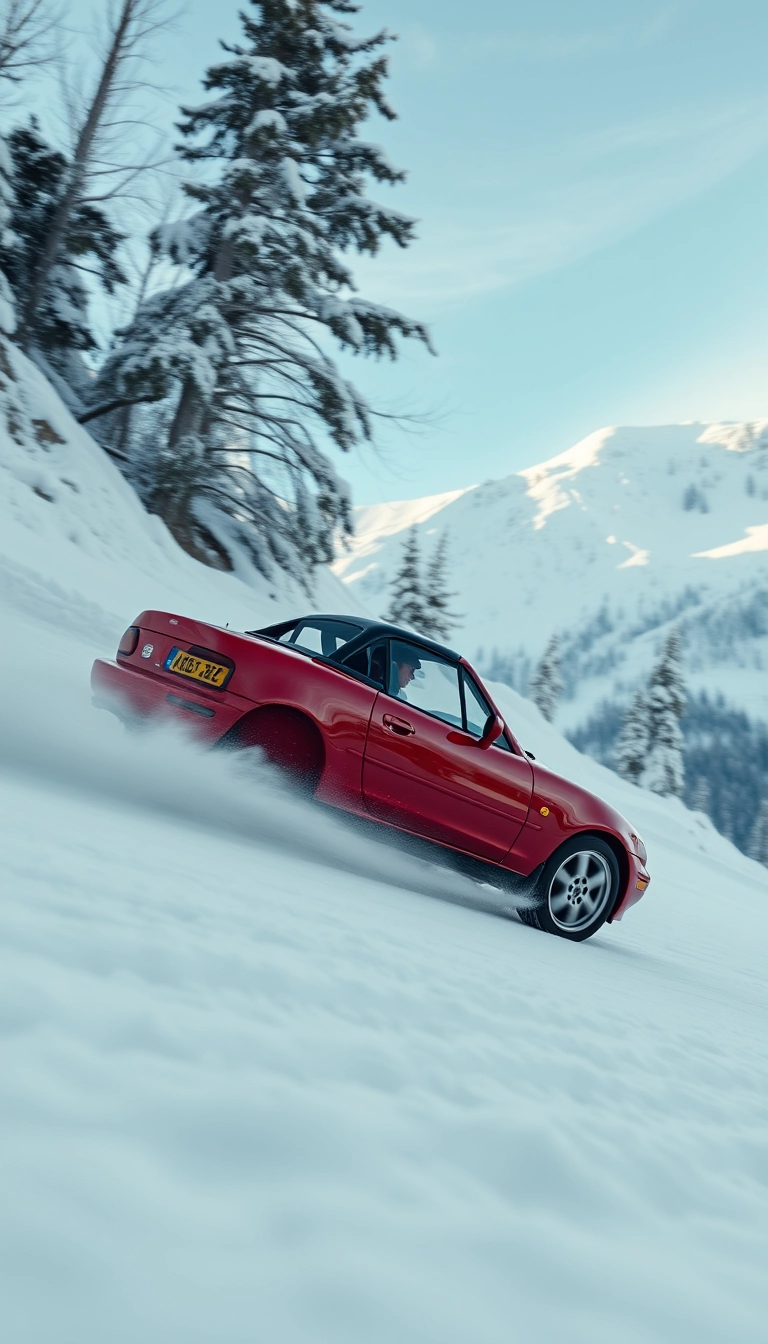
pixel 107 407
pixel 27 36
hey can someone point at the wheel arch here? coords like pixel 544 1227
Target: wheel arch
pixel 619 852
pixel 288 736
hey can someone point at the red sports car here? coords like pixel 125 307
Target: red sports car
pixel 386 725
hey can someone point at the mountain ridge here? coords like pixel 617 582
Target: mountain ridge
pixel 632 527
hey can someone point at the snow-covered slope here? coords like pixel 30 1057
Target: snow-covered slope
pixel 604 544
pixel 105 558
pixel 264 1078
pixel 255 1084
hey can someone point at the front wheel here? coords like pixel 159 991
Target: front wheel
pixel 577 889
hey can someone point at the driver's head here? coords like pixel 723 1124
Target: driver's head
pixel 406 662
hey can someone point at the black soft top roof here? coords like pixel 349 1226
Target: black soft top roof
pixel 368 627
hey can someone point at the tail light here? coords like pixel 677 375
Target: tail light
pixel 128 643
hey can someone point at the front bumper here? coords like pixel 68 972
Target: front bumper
pixel 636 887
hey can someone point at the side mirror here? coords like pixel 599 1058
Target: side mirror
pixel 493 729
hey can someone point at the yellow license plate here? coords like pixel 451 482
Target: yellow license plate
pixel 197 669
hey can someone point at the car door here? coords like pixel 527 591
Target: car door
pixel 424 770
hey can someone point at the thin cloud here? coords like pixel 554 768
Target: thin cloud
pixel 731 124
pixel 551 45
pixel 419 47
pixel 587 193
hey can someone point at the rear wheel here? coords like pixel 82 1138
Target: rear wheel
pixel 577 889
pixel 287 740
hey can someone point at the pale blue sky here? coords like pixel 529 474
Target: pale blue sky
pixel 591 178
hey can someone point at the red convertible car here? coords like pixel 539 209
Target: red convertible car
pixel 386 725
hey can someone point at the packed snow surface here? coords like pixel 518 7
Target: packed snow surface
pixel 264 1078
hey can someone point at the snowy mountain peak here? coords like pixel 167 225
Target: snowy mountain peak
pixel 640 459
pixel 636 526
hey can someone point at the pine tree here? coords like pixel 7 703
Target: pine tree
pixel 26 29
pixel 758 844
pixel 7 240
pixel 664 773
pixel 100 134
pixel 701 799
pixel 90 243
pixel 634 741
pixel 240 350
pixel 439 619
pixel 407 604
pixel 546 686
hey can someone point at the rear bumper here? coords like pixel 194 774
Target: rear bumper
pixel 136 696
pixel 636 887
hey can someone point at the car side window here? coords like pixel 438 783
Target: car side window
pixel 378 665
pixel 308 638
pixel 370 662
pixel 478 710
pixel 425 680
pixel 323 637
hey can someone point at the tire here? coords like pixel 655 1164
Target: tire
pixel 288 741
pixel 577 890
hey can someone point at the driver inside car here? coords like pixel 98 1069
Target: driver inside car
pixel 405 665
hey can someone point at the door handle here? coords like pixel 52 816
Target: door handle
pixel 399 726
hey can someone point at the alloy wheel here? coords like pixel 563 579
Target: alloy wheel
pixel 579 891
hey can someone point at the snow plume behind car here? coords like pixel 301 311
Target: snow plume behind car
pixel 48 729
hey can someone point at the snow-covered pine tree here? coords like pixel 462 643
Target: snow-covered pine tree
pixel 701 798
pixel 101 134
pixel 407 604
pixel 62 329
pixel 240 350
pixel 24 32
pixel 665 698
pixel 439 618
pixel 758 843
pixel 634 740
pixel 7 239
pixel 725 819
pixel 546 686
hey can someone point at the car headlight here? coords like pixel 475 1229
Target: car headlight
pixel 639 847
